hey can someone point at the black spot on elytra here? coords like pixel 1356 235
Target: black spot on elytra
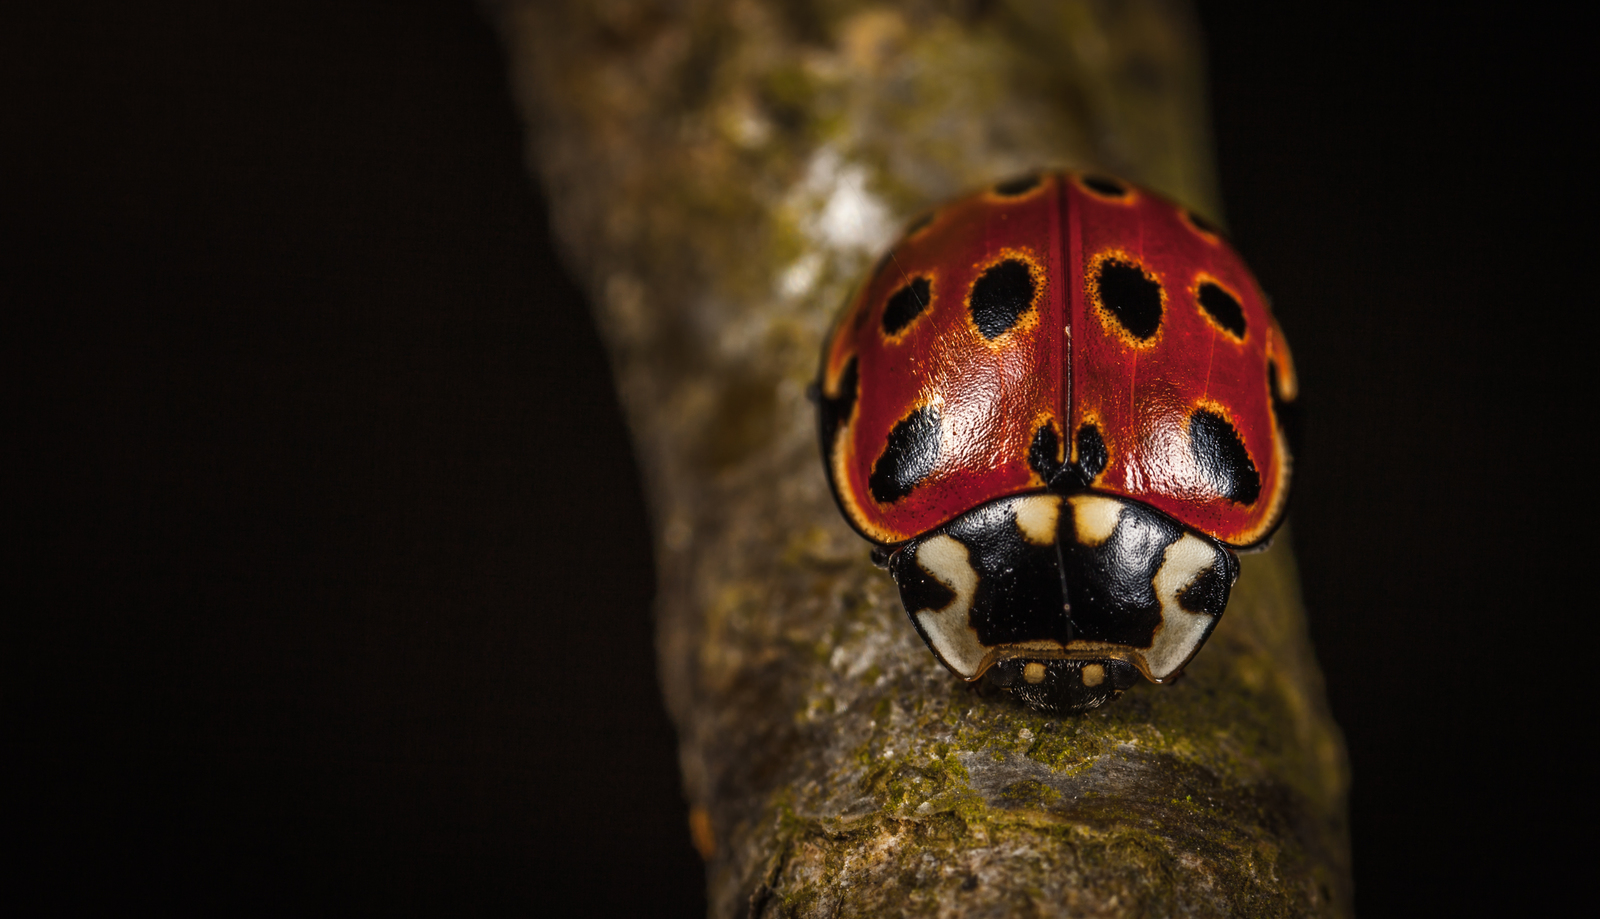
pixel 1043 453
pixel 1092 454
pixel 1223 307
pixel 1131 296
pixel 1208 593
pixel 906 304
pixel 1001 296
pixel 1202 224
pixel 1103 186
pixel 909 456
pixel 1021 185
pixel 1222 457
pixel 1287 412
pixel 833 412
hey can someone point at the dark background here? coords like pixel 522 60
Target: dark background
pixel 308 432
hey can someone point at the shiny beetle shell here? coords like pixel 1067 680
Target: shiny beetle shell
pixel 1057 406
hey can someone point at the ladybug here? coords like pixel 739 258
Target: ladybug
pixel 1058 407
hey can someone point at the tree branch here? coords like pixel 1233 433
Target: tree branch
pixel 721 174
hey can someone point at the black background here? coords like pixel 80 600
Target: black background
pixel 309 432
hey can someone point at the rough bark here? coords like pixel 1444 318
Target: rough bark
pixel 720 173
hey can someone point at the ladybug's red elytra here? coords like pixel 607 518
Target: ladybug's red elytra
pixel 1057 407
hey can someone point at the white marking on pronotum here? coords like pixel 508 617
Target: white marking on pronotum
pixel 1093 674
pixel 949 631
pixel 1036 518
pixel 1033 672
pixel 1095 518
pixel 836 210
pixel 1181 631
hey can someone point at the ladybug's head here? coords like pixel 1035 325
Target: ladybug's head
pixel 1063 685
